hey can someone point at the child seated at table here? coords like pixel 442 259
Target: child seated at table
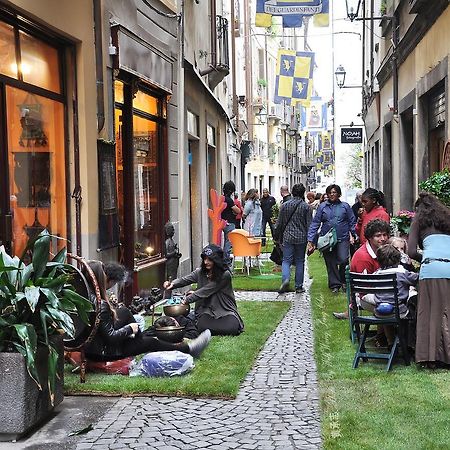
pixel 389 258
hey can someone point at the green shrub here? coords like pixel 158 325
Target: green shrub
pixel 439 185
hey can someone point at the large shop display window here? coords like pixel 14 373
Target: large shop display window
pixel 148 201
pixel 34 124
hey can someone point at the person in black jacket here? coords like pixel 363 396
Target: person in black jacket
pixel 115 339
pixel 267 201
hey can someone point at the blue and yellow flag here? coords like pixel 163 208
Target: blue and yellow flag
pixel 292 12
pixel 294 80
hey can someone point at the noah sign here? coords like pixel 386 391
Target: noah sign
pixel 353 135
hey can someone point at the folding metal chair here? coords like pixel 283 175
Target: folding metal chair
pixel 361 284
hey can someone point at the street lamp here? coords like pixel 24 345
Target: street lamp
pixel 340 76
pixel 351 13
pixel 278 137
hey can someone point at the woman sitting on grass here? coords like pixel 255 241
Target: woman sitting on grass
pixel 215 305
pixel 118 335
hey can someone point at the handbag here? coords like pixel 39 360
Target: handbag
pixel 277 255
pixel 328 241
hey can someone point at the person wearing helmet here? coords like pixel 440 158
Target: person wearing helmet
pixel 215 305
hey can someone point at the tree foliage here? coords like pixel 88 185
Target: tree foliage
pixel 354 167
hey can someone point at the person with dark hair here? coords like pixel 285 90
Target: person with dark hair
pixel 229 215
pixel 115 274
pixel 373 207
pixel 267 202
pixel 389 258
pixel 171 251
pixel 292 228
pixel 215 305
pixel 113 342
pixel 430 231
pixel 336 214
pixel 365 259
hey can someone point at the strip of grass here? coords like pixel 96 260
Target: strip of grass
pixel 218 372
pixel 368 408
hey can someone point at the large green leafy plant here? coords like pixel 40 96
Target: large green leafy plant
pixel 439 185
pixel 36 301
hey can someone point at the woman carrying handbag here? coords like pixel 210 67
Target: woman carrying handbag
pixel 337 215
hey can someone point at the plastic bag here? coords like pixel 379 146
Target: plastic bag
pixel 162 364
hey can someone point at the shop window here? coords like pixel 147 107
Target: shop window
pixel 118 91
pixel 37 167
pixel 148 173
pixel 39 63
pixel 148 206
pixel 8 64
pixel 146 103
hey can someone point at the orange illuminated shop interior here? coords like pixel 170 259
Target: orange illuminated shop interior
pixel 35 138
pixel 146 167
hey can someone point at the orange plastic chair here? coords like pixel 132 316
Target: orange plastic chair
pixel 245 247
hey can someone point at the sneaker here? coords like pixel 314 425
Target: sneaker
pixel 335 290
pixel 197 345
pixel 284 287
pixel 300 290
pixel 341 315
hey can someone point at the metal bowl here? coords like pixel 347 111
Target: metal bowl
pixel 177 310
pixel 170 334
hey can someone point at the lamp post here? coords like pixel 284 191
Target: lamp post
pixel 353 7
pixel 340 74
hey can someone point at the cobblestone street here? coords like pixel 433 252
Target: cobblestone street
pixel 277 406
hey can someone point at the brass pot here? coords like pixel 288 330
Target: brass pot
pixel 177 310
pixel 170 334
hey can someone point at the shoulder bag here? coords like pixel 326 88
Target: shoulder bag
pixel 328 241
pixel 277 253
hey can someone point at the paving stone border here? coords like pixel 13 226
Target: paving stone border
pixel 277 405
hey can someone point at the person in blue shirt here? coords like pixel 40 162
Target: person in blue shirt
pixel 337 214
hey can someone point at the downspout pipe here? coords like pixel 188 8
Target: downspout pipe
pixel 98 34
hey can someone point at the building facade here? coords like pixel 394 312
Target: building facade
pixel 406 89
pixel 112 124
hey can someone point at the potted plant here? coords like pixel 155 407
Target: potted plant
pixel 439 185
pixel 401 222
pixel 36 301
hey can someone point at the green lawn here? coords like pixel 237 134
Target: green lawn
pixel 217 373
pixel 368 408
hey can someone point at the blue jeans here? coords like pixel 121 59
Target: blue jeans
pixel 227 244
pixel 291 253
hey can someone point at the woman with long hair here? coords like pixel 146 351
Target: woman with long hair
pixel 119 338
pixel 430 231
pixel 373 207
pixel 215 305
pixel 252 213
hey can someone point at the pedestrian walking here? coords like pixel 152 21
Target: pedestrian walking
pixel 267 201
pixel 252 213
pixel 229 215
pixel 333 213
pixel 430 231
pixel 292 229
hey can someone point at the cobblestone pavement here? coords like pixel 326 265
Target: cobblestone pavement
pixel 277 405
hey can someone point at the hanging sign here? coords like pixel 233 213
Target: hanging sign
pixel 353 135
